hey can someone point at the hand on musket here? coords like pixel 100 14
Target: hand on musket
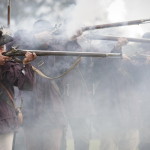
pixel 121 42
pixel 76 35
pixel 29 57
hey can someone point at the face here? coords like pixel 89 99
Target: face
pixel 2 48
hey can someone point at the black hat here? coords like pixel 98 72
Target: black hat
pixel 4 39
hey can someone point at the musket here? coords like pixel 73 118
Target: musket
pixel 8 13
pixel 109 25
pixel 17 52
pixel 116 24
pixel 115 38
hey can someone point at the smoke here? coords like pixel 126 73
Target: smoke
pixel 119 89
pixel 85 12
pixel 117 11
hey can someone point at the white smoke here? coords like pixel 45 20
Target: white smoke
pixel 117 11
pixel 86 12
pixel 90 12
pixel 93 12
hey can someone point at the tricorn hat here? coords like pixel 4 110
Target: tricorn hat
pixel 4 39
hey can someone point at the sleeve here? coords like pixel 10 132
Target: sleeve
pixel 19 75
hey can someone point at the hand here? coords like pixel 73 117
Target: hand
pixel 78 33
pixel 124 56
pixel 122 41
pixel 127 58
pixel 3 59
pixel 29 57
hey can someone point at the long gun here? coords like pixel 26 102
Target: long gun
pixel 117 24
pixel 17 52
pixel 110 25
pixel 115 38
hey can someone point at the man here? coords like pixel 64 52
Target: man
pixel 12 74
pixel 144 94
pixel 76 89
pixel 115 123
pixel 44 120
pixel 75 97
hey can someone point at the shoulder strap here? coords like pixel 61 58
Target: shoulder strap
pixel 8 93
pixel 77 61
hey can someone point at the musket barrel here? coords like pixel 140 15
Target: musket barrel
pixel 117 24
pixel 115 38
pixel 60 53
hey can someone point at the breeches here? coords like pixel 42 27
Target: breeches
pixel 6 141
pixel 43 138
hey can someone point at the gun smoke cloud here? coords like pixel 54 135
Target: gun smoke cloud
pixel 68 16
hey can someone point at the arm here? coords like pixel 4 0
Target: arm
pixel 20 75
pixel 118 46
